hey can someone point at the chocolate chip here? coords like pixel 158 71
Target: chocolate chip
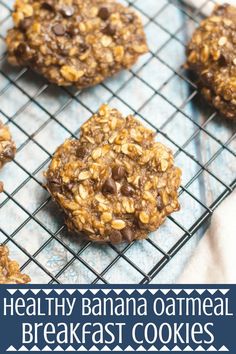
pixel 128 234
pixel 104 13
pixel 72 30
pixel 109 187
pixel 47 5
pixel 1 187
pixel 26 23
pixel 115 236
pixel 81 152
pixel 67 11
pixel 160 205
pixel 58 29
pixel 222 60
pixel 21 49
pixel 83 47
pixel 118 172
pixel 127 190
pixel 109 30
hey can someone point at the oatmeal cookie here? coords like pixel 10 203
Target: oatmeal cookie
pixel 7 145
pixel 212 56
pixel 10 270
pixel 115 183
pixel 75 42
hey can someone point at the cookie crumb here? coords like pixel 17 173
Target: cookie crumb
pixel 9 270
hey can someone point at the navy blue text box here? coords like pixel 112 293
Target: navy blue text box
pixel 105 318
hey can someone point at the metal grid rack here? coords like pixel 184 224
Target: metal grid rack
pixel 26 176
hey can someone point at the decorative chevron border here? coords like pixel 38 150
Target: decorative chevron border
pixel 116 349
pixel 118 291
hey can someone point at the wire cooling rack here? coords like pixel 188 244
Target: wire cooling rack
pixel 159 91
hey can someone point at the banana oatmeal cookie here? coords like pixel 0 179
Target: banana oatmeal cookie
pixel 212 56
pixel 7 147
pixel 75 42
pixel 10 270
pixel 115 183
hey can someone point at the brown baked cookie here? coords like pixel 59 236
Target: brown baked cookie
pixel 7 147
pixel 10 270
pixel 212 56
pixel 75 42
pixel 115 183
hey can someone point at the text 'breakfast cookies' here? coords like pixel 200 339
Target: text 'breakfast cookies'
pixel 212 56
pixel 75 42
pixel 115 183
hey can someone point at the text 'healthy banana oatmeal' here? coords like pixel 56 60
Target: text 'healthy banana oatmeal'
pixel 212 56
pixel 115 183
pixel 75 42
pixel 10 270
